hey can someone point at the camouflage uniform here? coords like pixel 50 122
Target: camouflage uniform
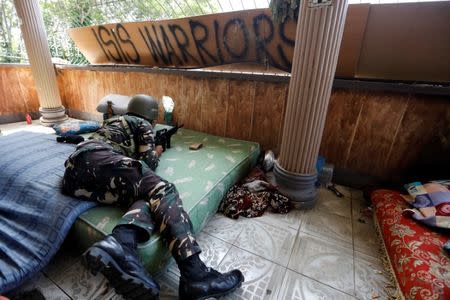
pixel 116 167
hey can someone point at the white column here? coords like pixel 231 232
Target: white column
pixel 318 40
pixel 35 37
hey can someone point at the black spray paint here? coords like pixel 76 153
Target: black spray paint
pixel 158 42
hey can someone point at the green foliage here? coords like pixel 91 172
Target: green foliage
pixel 283 9
pixel 11 48
pixel 60 15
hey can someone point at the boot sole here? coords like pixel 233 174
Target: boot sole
pixel 218 295
pixel 132 288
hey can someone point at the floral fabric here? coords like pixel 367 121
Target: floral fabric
pixel 252 197
pixel 421 267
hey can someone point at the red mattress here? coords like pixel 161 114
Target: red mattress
pixel 421 267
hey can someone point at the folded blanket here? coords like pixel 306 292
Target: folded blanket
pixel 34 216
pixel 431 204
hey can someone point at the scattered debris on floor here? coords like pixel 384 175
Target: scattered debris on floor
pixel 375 295
pixel 361 220
pixel 366 214
pixel 334 189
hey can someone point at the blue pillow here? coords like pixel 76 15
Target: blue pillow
pixel 76 127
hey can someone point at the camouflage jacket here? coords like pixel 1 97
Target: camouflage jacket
pixel 131 136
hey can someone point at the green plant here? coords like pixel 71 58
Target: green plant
pixel 284 9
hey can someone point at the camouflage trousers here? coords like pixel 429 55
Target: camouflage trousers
pixel 100 174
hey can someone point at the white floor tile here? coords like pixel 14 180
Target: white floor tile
pixel 356 194
pixel 329 226
pixel 213 249
pixel 168 282
pixel 269 241
pixel 317 246
pixel 298 287
pixel 359 206
pixel 82 285
pixel 345 190
pixel 328 202
pixel 10 128
pixel 48 289
pixel 263 278
pixel 323 261
pixel 63 260
pixel 293 219
pixel 369 278
pixel 365 238
pixel 224 228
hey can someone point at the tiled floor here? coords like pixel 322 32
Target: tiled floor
pixel 330 252
pixel 10 128
pixel 325 253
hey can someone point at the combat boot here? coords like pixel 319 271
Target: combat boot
pixel 200 282
pixel 123 269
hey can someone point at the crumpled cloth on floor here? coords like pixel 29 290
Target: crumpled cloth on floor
pixel 252 197
pixel 430 204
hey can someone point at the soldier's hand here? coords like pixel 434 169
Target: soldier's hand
pixel 159 150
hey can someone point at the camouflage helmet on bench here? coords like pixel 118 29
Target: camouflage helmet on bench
pixel 144 106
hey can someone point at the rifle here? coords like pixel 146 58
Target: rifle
pixel 163 136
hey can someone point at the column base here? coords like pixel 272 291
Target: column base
pixel 51 116
pixel 300 188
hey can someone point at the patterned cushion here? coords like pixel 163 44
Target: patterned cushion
pixel 202 177
pixel 421 268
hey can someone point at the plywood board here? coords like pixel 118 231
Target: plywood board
pixel 17 91
pixel 9 85
pixel 193 93
pixel 215 106
pixel 270 100
pixel 422 144
pixel 407 41
pixel 353 37
pixel 240 109
pixel 344 110
pixel 217 39
pixel 376 131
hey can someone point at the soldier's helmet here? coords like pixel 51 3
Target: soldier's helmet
pixel 144 106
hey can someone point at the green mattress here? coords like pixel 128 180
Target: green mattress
pixel 202 177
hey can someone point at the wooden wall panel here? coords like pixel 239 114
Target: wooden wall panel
pixel 192 90
pixel 270 100
pixel 78 87
pixel 181 101
pixel 17 91
pixel 377 128
pixel 377 133
pixel 343 114
pixel 240 109
pixel 423 138
pixel 215 106
pixel 27 89
pixel 10 87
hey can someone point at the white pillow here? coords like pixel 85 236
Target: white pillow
pixel 119 104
